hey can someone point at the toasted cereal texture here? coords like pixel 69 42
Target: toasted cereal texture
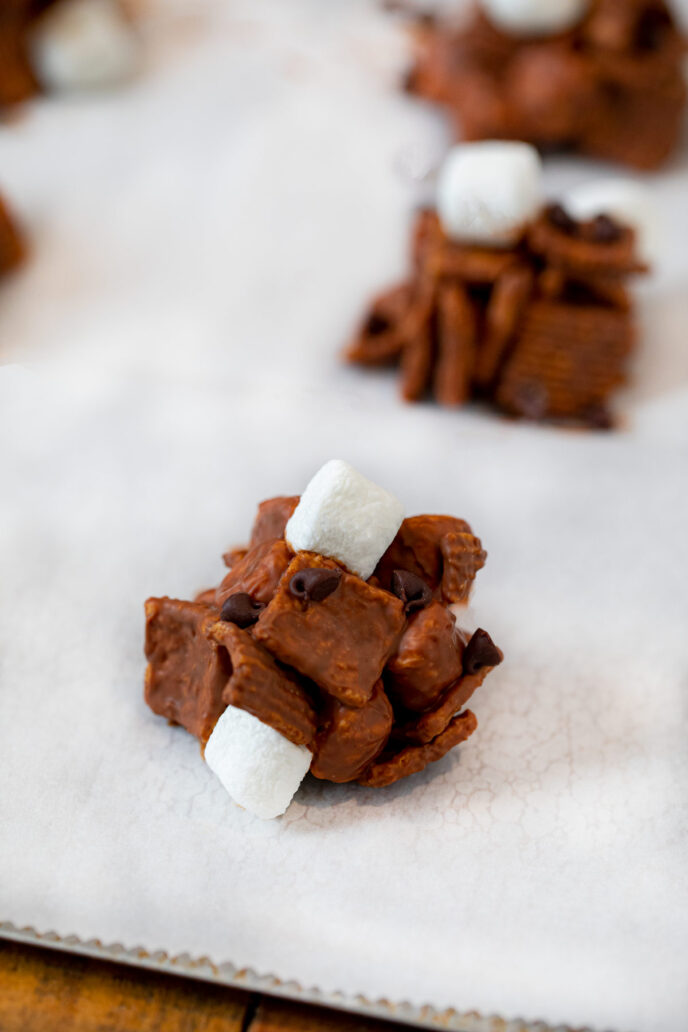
pixel 259 686
pixel 185 677
pixel 411 759
pixel 258 572
pixel 271 519
pixel 567 360
pixel 352 738
pixel 427 660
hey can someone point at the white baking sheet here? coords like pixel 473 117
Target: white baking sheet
pixel 203 243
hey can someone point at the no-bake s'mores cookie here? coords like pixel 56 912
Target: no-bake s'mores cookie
pixel 602 76
pixel 510 299
pixel 63 45
pixel 330 646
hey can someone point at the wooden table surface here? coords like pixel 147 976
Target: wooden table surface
pixel 43 990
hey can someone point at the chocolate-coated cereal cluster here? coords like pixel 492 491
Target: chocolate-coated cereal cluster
pixel 611 84
pixel 366 678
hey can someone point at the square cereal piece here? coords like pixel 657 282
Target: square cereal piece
pixel 410 759
pixel 441 550
pixel 566 360
pixel 479 658
pixel 186 675
pixel 462 556
pixel 271 519
pixel 257 573
pixel 258 686
pixel 427 660
pixel 341 643
pixel 427 726
pixel 352 738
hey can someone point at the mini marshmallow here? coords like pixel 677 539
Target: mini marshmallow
pixel 535 17
pixel 624 200
pixel 259 767
pixel 487 192
pixel 346 517
pixel 83 44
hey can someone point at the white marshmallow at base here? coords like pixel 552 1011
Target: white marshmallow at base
pixel 622 199
pixel 535 17
pixel 259 767
pixel 488 192
pixel 83 44
pixel 345 516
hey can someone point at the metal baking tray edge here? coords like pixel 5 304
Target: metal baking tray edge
pixel 228 974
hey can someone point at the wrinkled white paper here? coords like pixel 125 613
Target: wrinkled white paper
pixel 203 243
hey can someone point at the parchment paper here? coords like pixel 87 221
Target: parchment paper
pixel 203 244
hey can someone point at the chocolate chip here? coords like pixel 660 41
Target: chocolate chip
pixel 558 217
pixel 240 609
pixel 411 589
pixel 604 230
pixel 481 652
pixel 314 585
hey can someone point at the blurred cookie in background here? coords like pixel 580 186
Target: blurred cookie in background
pixel 604 77
pixel 513 300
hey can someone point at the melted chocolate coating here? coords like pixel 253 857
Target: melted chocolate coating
pixel 343 642
pixel 186 674
pixel 353 738
pixel 257 573
pixel 273 516
pixel 428 659
pixel 260 686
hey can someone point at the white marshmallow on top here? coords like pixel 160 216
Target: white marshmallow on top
pixel 82 45
pixel 345 516
pixel 621 199
pixel 535 17
pixel 488 192
pixel 260 768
